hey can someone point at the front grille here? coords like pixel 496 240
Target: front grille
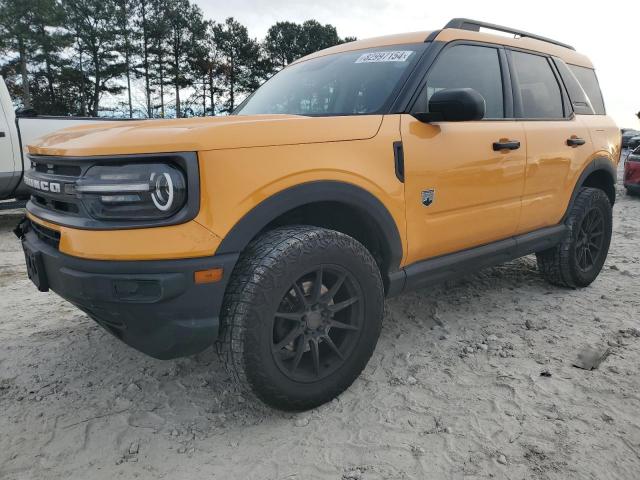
pixel 53 169
pixel 47 235
pixel 56 205
pixel 62 172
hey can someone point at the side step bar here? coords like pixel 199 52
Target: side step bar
pixel 455 265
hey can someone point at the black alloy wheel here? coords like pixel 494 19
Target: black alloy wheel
pixel 317 323
pixel 590 240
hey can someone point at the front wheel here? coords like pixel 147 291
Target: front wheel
pixel 301 316
pixel 578 259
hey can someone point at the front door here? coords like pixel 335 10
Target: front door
pixel 461 190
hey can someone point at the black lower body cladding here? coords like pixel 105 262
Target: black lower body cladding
pixel 154 306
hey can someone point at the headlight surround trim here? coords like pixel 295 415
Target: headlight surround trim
pixel 185 162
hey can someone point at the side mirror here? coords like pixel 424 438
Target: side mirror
pixel 454 105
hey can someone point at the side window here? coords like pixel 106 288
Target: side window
pixel 539 92
pixel 468 66
pixel 589 81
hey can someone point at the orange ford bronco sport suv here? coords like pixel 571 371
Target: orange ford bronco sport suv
pixel 356 173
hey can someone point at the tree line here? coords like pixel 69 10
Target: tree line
pixel 140 58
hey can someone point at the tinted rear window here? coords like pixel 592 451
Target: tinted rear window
pixel 540 92
pixel 589 81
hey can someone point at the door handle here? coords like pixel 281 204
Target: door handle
pixel 1 134
pixel 575 141
pixel 505 144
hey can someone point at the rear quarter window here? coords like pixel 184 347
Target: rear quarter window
pixel 577 95
pixel 589 81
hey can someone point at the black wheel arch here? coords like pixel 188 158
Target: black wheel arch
pixel 353 203
pixel 600 173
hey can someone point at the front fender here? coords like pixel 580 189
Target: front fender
pixel 312 192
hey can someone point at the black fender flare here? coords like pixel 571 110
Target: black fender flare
pixel 597 164
pixel 307 193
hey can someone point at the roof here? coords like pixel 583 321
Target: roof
pixel 534 43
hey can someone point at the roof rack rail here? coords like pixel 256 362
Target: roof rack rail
pixel 475 26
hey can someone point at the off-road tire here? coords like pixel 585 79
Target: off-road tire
pixel 558 264
pixel 263 274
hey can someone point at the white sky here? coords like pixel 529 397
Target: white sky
pixel 607 32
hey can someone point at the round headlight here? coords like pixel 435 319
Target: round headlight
pixel 132 191
pixel 162 194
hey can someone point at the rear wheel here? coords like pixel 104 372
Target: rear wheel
pixel 578 259
pixel 301 317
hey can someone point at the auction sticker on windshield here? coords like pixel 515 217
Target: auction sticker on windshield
pixel 391 56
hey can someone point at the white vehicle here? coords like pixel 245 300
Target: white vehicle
pixel 15 134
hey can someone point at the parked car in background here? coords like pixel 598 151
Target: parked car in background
pixel 634 142
pixel 18 131
pixel 632 172
pixel 628 134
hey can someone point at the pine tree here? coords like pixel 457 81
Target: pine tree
pixel 316 37
pixel 283 43
pixel 241 68
pixel 186 28
pixel 158 35
pixel 288 41
pixel 17 36
pixel 204 66
pixel 50 41
pixel 127 33
pixel 94 25
pixel 143 26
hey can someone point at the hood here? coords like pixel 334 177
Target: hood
pixel 201 134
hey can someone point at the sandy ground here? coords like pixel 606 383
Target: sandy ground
pixel 454 389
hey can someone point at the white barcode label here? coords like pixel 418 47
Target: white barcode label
pixel 391 56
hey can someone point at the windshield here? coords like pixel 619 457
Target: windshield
pixel 359 82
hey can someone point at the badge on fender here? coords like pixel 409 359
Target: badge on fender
pixel 428 197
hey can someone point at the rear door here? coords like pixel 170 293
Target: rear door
pixel 460 191
pixel 558 142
